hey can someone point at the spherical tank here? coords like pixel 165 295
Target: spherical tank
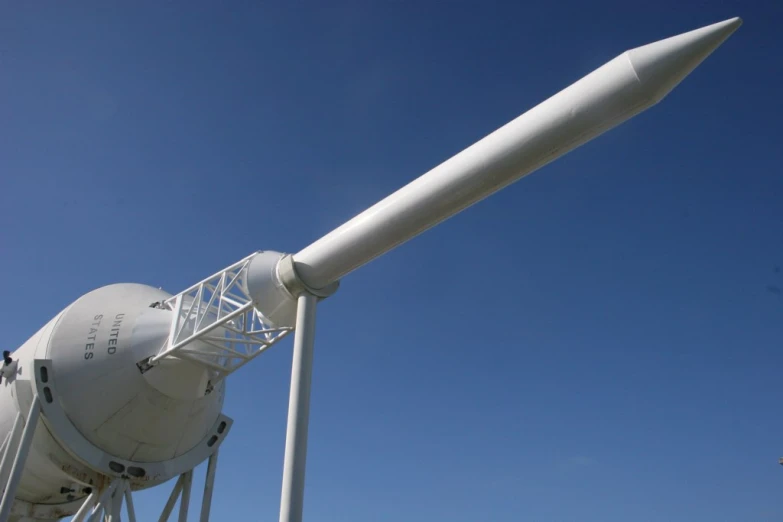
pixel 103 415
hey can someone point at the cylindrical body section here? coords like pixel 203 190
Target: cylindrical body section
pixel 115 410
pixel 608 96
pixel 594 104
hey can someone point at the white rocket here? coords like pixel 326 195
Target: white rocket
pixel 608 96
pixel 124 388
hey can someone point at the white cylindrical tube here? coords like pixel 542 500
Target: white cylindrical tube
pixel 608 96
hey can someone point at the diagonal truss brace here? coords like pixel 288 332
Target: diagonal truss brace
pixel 219 313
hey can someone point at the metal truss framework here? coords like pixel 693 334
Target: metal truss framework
pixel 219 312
pixel 15 449
pixel 106 506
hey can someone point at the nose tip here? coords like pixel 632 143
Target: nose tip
pixel 661 65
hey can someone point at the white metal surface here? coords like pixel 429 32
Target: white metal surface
pixel 184 503
pixel 46 459
pixel 265 285
pixel 99 509
pixel 95 349
pixel 11 442
pixel 115 504
pixel 292 495
pixel 181 491
pixel 141 474
pixel 219 313
pixel 615 92
pixel 209 487
pixel 87 506
pixel 20 452
pixel 172 501
pixel 93 405
pixel 130 376
pixel 129 505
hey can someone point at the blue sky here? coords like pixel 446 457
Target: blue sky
pixel 599 342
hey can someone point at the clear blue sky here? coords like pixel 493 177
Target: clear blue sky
pixel 602 341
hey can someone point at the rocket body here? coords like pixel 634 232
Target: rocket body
pixel 610 95
pixel 150 419
pixel 107 415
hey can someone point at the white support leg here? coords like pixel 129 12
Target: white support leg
pixel 129 504
pixel 7 441
pixel 292 496
pixel 184 501
pixel 209 486
pixel 10 448
pixel 100 506
pixel 115 506
pixel 97 513
pixel 89 502
pixel 19 459
pixel 106 517
pixel 169 507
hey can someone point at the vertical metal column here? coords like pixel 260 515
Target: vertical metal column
pixel 10 449
pixel 7 444
pixel 292 496
pixel 107 510
pixel 105 497
pixel 19 459
pixel 89 502
pixel 184 501
pixel 115 503
pixel 209 486
pixel 169 507
pixel 129 504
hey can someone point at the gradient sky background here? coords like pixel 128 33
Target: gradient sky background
pixel 602 341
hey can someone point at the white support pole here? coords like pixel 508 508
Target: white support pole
pixel 103 500
pixel 19 459
pixel 292 496
pixel 89 502
pixel 184 501
pixel 6 441
pixel 115 506
pixel 10 447
pixel 169 507
pixel 209 486
pixel 106 517
pixel 129 504
pixel 97 514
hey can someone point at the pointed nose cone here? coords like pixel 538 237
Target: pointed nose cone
pixel 661 65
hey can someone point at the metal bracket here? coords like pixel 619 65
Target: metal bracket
pixel 286 270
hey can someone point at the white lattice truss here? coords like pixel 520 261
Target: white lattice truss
pixel 219 312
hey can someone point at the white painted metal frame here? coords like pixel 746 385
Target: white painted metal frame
pixel 294 464
pixel 181 492
pixel 17 447
pixel 28 510
pixel 14 451
pixel 219 311
pixel 107 505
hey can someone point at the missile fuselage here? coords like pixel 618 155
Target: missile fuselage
pixel 142 423
pixel 608 96
pixel 107 414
